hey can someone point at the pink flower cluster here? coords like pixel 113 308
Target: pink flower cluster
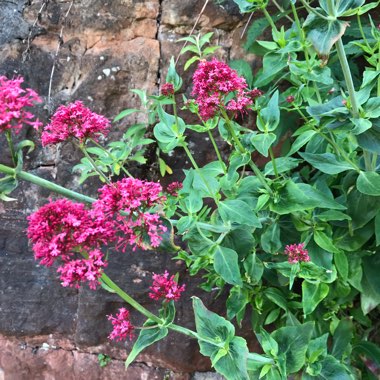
pixel 167 89
pixel 126 205
pixel 213 81
pixel 13 100
pixel 173 188
pixel 122 326
pixel 74 120
pixel 62 229
pixel 165 287
pixel 297 253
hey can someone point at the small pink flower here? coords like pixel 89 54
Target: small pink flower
pixel 173 188
pixel 255 93
pixel 297 253
pixel 74 120
pixel 344 102
pixel 13 100
pixel 165 287
pixel 290 99
pixel 167 89
pixel 122 326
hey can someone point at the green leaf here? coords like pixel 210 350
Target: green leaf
pixel 277 297
pixel 343 335
pixel 323 33
pixel 377 229
pixel 272 64
pixel 145 339
pixel 262 142
pixel 270 239
pixel 300 141
pixel 255 30
pixel 369 183
pixel 301 196
pixel 283 164
pixel 329 215
pixel 293 342
pixel 216 340
pixel 269 117
pixel 172 76
pixel 236 211
pixel 325 242
pixel 341 263
pixel 254 269
pixel 125 113
pixel 312 295
pixel 227 266
pixel 236 303
pixel 370 296
pixel 331 370
pixel 368 349
pixel 244 69
pixel 327 163
pixel 190 61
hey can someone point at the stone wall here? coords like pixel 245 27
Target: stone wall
pixel 107 48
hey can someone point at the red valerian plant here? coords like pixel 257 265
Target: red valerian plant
pixel 165 287
pixel 75 121
pixel 320 297
pixel 13 101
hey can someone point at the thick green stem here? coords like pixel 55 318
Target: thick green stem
pixel 93 164
pixel 127 298
pixel 348 78
pixel 242 150
pixel 11 146
pixel 46 184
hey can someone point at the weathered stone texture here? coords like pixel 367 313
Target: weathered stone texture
pixel 108 48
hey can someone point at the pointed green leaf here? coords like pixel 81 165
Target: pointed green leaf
pixel 227 266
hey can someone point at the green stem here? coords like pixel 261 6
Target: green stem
pixel 216 150
pixel 11 146
pixel 197 169
pixel 362 32
pixel 312 10
pixel 46 184
pixel 269 19
pixel 273 159
pixel 112 157
pixel 93 164
pixel 137 306
pixel 242 150
pixel 127 298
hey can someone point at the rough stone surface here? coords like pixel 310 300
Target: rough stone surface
pixel 107 48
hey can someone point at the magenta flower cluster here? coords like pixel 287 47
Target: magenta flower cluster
pixel 173 188
pixel 297 253
pixel 13 100
pixel 122 326
pixel 213 81
pixel 61 230
pixel 126 204
pixel 77 121
pixel 165 287
pixel 64 229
